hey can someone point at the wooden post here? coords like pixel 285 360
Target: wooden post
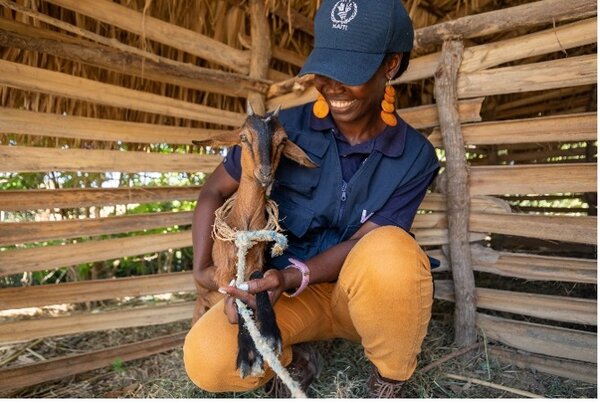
pixel 457 192
pixel 260 55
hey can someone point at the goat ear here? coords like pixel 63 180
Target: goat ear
pixel 228 138
pixel 295 153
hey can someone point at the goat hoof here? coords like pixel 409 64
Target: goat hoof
pixel 249 362
pixel 273 340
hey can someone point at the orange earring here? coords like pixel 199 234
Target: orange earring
pixel 388 105
pixel 320 107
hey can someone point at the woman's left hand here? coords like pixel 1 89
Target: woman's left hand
pixel 272 282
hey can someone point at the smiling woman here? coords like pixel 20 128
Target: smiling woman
pixel 352 268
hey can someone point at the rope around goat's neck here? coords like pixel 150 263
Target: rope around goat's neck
pixel 245 240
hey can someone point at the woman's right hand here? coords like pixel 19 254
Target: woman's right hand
pixel 205 278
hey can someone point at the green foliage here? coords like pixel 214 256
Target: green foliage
pixel 118 366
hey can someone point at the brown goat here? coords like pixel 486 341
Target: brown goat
pixel 263 140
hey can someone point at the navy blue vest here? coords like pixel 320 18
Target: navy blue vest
pixel 316 209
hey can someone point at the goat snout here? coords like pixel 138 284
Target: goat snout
pixel 264 175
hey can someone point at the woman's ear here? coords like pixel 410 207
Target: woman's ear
pixel 393 64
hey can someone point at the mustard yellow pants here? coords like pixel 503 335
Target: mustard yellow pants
pixel 382 299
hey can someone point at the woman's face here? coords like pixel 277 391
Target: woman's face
pixel 351 103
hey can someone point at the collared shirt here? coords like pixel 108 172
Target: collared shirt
pixel 402 206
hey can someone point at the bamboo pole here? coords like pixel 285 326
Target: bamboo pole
pixel 457 192
pixel 524 16
pixel 160 31
pixel 260 54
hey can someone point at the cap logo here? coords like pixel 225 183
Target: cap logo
pixel 342 13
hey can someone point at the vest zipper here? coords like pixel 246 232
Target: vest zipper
pixel 343 198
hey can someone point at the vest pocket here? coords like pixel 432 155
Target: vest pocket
pixel 294 217
pixel 297 178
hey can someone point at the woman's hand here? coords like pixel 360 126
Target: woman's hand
pixel 273 282
pixel 205 278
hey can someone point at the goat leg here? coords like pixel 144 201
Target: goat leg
pixel 248 361
pixel 265 318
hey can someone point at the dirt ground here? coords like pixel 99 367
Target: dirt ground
pixel 344 375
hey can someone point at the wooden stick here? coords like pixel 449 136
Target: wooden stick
pixel 75 127
pixel 95 290
pixel 541 339
pixel 260 55
pixel 494 386
pixel 60 368
pixel 572 127
pixel 534 267
pixel 128 60
pixel 34 199
pixel 160 31
pixel 570 72
pixel 91 322
pixel 23 232
pixel 65 85
pixel 45 159
pixel 559 228
pixel 50 257
pixel 552 40
pixel 448 357
pixel 533 179
pixel 565 368
pixel 563 309
pixel 457 193
pixel 527 15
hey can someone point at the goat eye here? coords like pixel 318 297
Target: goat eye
pixel 243 138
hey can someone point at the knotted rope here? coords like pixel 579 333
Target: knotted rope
pixel 244 240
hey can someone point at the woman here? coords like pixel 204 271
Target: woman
pixel 357 273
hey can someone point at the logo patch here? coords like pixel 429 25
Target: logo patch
pixel 342 13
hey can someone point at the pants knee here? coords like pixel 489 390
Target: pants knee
pixel 209 354
pixel 387 254
pixel 205 371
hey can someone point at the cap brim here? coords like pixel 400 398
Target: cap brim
pixel 350 68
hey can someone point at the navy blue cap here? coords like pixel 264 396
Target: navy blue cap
pixel 352 38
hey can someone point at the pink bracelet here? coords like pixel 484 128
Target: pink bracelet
pixel 304 270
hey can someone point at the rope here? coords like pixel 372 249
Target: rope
pixel 244 240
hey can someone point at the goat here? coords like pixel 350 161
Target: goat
pixel 263 140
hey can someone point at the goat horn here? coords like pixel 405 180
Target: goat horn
pixel 276 111
pixel 249 109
